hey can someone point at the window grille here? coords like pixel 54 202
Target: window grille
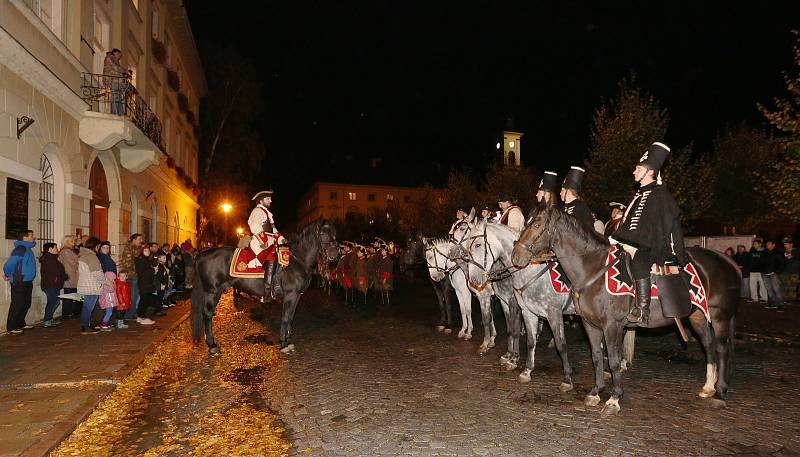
pixel 46 202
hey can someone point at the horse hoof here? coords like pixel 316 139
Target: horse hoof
pixel 460 335
pixel 491 345
pixel 511 366
pixel 564 387
pixel 707 393
pixel 551 344
pixel 288 349
pixel 718 403
pixel 606 375
pixel 447 331
pixel 504 359
pixel 440 328
pixel 525 377
pixel 611 408
pixel 482 349
pixel 215 351
pixel 467 337
pixel 592 400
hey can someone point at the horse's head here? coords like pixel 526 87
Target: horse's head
pixel 479 254
pixel 326 233
pixel 435 259
pixel 413 248
pixel 537 235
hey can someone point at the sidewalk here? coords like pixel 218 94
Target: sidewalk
pixel 52 378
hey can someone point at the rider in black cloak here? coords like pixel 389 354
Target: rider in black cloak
pixel 651 228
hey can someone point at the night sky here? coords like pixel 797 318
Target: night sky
pixel 428 86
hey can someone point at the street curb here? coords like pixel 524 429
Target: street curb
pixel 53 438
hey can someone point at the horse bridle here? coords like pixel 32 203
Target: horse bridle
pixel 328 243
pixel 436 266
pixel 529 247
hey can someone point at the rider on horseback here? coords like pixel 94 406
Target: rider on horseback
pixel 573 205
pixel 548 188
pixel 512 215
pixel 265 237
pixel 651 228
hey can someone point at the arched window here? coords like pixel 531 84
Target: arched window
pixel 176 238
pixel 166 225
pixel 134 219
pixel 46 202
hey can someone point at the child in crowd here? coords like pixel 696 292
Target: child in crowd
pixel 108 300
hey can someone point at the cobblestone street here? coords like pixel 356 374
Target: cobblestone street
pixel 384 382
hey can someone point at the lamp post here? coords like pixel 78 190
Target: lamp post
pixel 226 208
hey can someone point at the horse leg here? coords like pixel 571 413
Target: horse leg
pixel 706 335
pixel 488 324
pixel 532 325
pixel 595 338
pixel 614 332
pixel 441 297
pixel 289 307
pixel 465 305
pixel 628 344
pixel 213 348
pixel 556 321
pixel 447 314
pixel 723 336
pixel 513 322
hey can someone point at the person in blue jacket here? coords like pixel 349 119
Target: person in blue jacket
pixel 20 269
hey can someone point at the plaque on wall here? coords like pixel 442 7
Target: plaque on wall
pixel 16 207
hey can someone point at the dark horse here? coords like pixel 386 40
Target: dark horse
pixel 583 257
pixel 212 278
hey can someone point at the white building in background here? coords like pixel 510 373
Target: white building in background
pixel 78 168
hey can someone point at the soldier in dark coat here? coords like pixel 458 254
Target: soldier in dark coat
pixel 548 188
pixel 384 273
pixel 573 204
pixel 651 228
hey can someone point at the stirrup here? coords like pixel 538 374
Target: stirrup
pixel 636 315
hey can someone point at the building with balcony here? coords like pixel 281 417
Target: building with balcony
pixel 86 153
pixel 329 199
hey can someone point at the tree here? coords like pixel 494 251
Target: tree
pixel 740 155
pixel 622 129
pixel 782 184
pixel 521 183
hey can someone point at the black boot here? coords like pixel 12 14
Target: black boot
pixel 640 312
pixel 269 272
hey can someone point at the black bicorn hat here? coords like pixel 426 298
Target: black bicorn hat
pixel 617 205
pixel 549 182
pixel 574 179
pixel 655 156
pixel 262 194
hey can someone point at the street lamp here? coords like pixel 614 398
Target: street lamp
pixel 226 208
pixel 239 232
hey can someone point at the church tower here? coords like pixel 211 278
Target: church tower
pixel 510 147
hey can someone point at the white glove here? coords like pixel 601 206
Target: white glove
pixel 281 239
pixel 612 240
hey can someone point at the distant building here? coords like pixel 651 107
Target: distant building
pixel 99 155
pixel 510 146
pixel 328 199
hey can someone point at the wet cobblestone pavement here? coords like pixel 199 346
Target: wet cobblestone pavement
pixel 383 382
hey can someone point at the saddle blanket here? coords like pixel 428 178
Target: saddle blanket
pixel 557 279
pixel 618 282
pixel 243 256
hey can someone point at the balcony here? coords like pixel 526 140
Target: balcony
pixel 118 116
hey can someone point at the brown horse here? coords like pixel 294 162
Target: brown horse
pixel 583 257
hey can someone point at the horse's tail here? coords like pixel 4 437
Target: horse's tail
pixel 730 365
pixel 198 305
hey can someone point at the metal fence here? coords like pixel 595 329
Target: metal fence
pixel 116 95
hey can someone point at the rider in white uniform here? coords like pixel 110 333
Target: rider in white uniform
pixel 512 215
pixel 265 235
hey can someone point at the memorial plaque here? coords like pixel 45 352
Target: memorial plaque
pixel 16 207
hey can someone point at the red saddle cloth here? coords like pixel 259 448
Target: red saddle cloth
pixel 618 282
pixel 557 279
pixel 241 257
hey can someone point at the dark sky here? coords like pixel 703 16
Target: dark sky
pixel 428 85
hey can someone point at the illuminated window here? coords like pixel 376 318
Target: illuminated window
pixel 390 197
pixel 351 196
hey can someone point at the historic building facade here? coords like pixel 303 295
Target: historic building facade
pixel 328 199
pixel 86 153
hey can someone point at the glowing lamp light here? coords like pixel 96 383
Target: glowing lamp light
pixel 226 207
pixel 511 144
pixel 497 146
pixel 239 231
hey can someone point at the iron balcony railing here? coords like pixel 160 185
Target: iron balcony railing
pixel 116 95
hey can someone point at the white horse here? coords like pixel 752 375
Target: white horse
pixel 489 250
pixel 501 288
pixel 446 273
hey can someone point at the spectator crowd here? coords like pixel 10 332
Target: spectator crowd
pixel 769 272
pixel 89 284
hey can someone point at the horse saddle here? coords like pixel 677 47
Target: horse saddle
pixel 676 289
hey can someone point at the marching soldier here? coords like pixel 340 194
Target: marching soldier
pixel 548 188
pixel 650 230
pixel 264 240
pixel 512 214
pixel 617 210
pixel 383 273
pixel 573 204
